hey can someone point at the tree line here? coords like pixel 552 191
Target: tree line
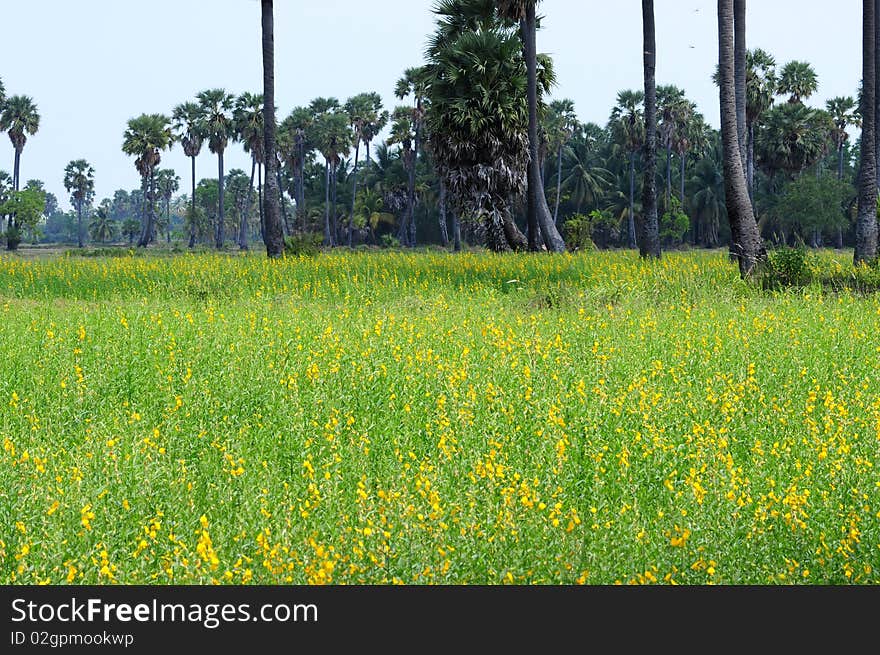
pixel 476 149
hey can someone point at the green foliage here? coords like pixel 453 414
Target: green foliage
pixel 27 205
pixel 303 244
pixel 390 241
pixel 808 205
pixel 579 232
pixel 785 267
pixel 674 224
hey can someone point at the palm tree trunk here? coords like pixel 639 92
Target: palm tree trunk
pixel 285 223
pixel 750 164
pixel 273 235
pixel 168 219
pixel 334 176
pixel 538 211
pixel 444 234
pixel 668 174
pixel 877 86
pixel 746 241
pixel 354 189
pixel 79 223
pixel 145 216
pixel 558 187
pixel 192 220
pixel 242 229
pixel 16 168
pixel 456 232
pixel 631 223
pixel 221 237
pixel 683 157
pixel 328 238
pixel 866 222
pixel 840 162
pixel 261 203
pixel 649 245
pixel 740 56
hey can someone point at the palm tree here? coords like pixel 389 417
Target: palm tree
pixel 79 180
pixel 248 118
pixel 671 107
pixel 216 106
pixel 746 241
pixel 649 243
pixel 866 221
pixel 798 80
pixel 367 120
pixel 791 138
pixel 145 138
pixel 585 179
pixel 843 115
pixel 332 137
pixel 628 126
pixel 562 123
pixel 189 128
pixel 19 119
pixel 708 203
pixel 412 83
pixel 294 147
pixel 402 134
pixel 167 184
pixel 102 227
pixel 761 88
pixel 478 125
pixel 273 232
pixel 539 216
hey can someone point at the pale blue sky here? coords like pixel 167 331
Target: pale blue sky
pixel 92 64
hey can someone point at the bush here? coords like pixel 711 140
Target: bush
pixel 304 244
pixel 390 241
pixel 13 237
pixel 674 224
pixel 786 267
pixel 579 233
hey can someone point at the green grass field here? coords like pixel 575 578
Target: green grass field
pixel 429 418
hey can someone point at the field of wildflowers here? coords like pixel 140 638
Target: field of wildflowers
pixel 428 418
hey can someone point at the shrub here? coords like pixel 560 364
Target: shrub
pixel 786 267
pixel 579 232
pixel 390 241
pixel 305 244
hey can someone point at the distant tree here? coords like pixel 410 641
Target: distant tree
pixel 190 130
pixel 102 227
pixel 145 138
pixel 167 184
pixel 798 80
pixel 367 119
pixel 79 180
pixel 842 111
pixel 216 106
pixel 561 125
pixel 628 127
pixel 27 208
pixel 19 119
pixel 248 117
pixel 332 137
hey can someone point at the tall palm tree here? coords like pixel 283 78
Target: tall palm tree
pixel 843 115
pixel 332 137
pixel 562 123
pixel 19 119
pixel 216 105
pixel 273 232
pixel 367 120
pixel 761 89
pixel 628 127
pixel 539 217
pixel 79 180
pixel 413 83
pixel 403 135
pixel 249 130
pixel 167 184
pixel 190 130
pixel 671 105
pixel 294 147
pixel 746 240
pixel 649 243
pixel 798 80
pixel 145 138
pixel 478 125
pixel 866 221
pixel 585 179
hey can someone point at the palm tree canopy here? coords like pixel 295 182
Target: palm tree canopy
pixel 843 114
pixel 628 121
pixel 248 120
pixel 798 80
pixel 146 136
pixel 190 128
pixel 167 183
pixel 79 180
pixel 367 116
pixel 19 119
pixel 216 106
